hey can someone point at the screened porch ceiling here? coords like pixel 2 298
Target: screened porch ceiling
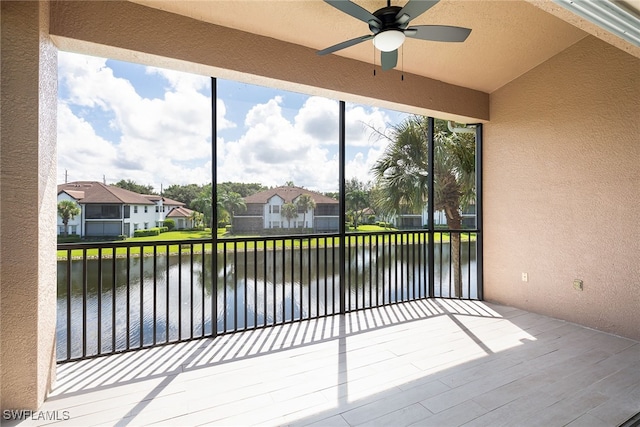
pixel 508 37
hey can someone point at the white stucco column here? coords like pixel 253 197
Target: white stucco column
pixel 27 205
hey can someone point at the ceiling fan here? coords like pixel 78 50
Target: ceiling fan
pixel 390 25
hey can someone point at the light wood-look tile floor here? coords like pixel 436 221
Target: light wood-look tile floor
pixel 429 363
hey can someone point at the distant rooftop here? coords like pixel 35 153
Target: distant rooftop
pixel 94 192
pixel 289 194
pixel 180 212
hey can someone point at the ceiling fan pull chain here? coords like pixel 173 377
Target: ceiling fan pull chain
pixel 374 59
pixel 402 75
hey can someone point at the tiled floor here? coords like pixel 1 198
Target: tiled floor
pixel 431 363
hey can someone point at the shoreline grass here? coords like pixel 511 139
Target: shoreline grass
pixel 354 238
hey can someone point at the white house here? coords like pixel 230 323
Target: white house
pixel 182 217
pixel 107 210
pixel 264 211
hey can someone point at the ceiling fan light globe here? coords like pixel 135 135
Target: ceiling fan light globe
pixel 388 41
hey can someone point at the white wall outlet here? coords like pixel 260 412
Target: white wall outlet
pixel 578 285
pixel 525 277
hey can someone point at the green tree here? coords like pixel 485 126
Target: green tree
pixel 354 184
pixel 332 194
pixel 305 203
pixel 244 189
pixel 203 204
pixel 402 176
pixel 289 211
pixel 356 201
pixel 67 210
pixel 135 187
pixel 233 203
pixel 402 171
pixel 183 193
pixel 377 197
pixel 196 219
pixel 169 223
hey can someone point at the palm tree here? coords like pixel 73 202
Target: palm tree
pixel 289 211
pixel 203 204
pixel 67 210
pixel 196 219
pixel 305 203
pixel 232 202
pixel 402 176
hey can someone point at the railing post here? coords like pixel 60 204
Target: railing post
pixel 214 208
pixel 430 221
pixel 479 240
pixel 342 218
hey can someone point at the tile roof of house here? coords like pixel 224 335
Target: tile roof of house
pixel 97 192
pixel 289 194
pixel 165 200
pixel 180 212
pixel 78 195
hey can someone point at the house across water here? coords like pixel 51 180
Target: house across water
pixel 107 210
pixel 264 211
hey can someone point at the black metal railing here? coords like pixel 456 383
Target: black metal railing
pixel 120 296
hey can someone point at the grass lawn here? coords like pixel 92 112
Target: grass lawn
pixel 368 228
pixel 354 238
pixel 179 235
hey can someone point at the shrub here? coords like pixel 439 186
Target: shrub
pixel 170 224
pixel 371 219
pixel 164 229
pixel 155 231
pixel 103 238
pixel 71 238
pixel 384 224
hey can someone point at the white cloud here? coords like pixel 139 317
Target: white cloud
pixel 359 123
pixel 80 151
pixel 164 139
pixel 274 150
pixel 167 139
pixel 318 118
pixel 188 83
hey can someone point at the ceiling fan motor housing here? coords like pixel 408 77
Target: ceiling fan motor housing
pixel 387 17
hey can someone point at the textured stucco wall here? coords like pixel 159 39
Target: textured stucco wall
pixel 27 186
pixel 131 32
pixel 562 189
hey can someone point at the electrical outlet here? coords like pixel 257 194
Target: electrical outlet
pixel 578 285
pixel 525 277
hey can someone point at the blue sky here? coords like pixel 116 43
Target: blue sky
pixel 128 121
